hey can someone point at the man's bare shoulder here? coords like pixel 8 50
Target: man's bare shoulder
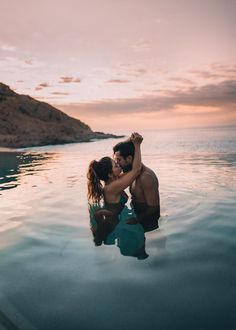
pixel 148 178
pixel 147 173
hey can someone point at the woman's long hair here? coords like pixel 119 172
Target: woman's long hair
pixel 97 172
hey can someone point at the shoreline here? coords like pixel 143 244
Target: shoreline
pixel 85 140
pixel 90 138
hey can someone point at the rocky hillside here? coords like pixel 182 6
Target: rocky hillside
pixel 26 122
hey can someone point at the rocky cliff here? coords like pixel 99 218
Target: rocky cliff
pixel 26 122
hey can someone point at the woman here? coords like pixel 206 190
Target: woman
pixel 111 192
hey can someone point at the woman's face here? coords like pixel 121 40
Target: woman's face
pixel 116 170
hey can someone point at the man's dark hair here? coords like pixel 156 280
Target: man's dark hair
pixel 126 148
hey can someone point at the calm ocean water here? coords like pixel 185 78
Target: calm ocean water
pixel 53 277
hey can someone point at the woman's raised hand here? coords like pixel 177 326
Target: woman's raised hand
pixel 136 138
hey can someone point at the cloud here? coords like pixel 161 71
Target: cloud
pixel 140 72
pixel 219 67
pixel 67 80
pixel 136 72
pixel 221 95
pixel 42 86
pixel 182 80
pixel 60 93
pixel 216 71
pixel 206 74
pixel 46 98
pixel 140 46
pixel 8 48
pixel 18 65
pixel 118 81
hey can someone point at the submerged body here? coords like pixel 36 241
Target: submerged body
pixel 110 226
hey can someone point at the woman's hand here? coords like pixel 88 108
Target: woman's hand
pixel 136 138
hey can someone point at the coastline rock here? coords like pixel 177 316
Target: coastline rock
pixel 26 122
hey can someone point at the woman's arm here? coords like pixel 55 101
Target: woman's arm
pixel 137 140
pixel 123 182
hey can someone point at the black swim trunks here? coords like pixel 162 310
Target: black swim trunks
pixel 151 222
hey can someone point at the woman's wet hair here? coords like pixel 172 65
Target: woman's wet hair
pixel 98 171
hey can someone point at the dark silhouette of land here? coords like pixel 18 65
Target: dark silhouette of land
pixel 26 122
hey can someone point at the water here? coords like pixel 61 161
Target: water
pixel 53 277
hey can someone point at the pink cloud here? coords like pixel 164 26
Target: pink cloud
pixel 60 93
pixel 44 85
pixel 221 95
pixel 182 80
pixel 118 81
pixel 67 80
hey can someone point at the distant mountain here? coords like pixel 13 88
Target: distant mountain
pixel 26 122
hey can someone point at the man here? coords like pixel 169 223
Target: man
pixel 144 190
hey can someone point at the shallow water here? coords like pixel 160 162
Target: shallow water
pixel 53 277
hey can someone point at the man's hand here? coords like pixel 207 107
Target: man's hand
pixel 136 138
pixel 103 215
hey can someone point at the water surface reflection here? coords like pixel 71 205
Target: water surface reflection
pixel 47 254
pixel 15 165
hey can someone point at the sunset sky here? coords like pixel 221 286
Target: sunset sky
pixel 124 64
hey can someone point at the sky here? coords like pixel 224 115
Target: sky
pixel 126 64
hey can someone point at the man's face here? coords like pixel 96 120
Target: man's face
pixel 125 163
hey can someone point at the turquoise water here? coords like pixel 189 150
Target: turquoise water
pixel 53 277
